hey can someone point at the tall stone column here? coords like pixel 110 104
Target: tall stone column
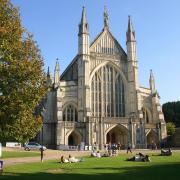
pixel 59 136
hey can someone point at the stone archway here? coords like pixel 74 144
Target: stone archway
pixel 74 139
pixel 118 134
pixel 152 138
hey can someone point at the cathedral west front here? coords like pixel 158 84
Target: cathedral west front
pixel 98 98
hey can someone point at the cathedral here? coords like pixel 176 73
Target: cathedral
pixel 98 98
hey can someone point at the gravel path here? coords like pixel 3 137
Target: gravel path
pixel 48 155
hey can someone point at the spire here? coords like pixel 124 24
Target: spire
pixel 49 82
pixel 83 18
pixel 106 18
pixel 152 82
pixel 48 73
pixel 130 34
pixel 56 73
pixel 83 26
pixel 57 65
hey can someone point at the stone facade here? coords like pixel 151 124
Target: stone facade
pixel 98 98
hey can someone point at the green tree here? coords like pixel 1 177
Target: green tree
pixel 171 112
pixel 171 128
pixel 22 79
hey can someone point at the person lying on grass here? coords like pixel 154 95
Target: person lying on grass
pixel 140 158
pixel 74 160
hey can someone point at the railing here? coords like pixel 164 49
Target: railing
pixel 73 148
pixel 67 148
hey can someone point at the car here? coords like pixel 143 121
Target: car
pixel 33 146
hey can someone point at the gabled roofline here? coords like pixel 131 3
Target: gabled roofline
pixel 112 37
pixel 67 68
pixel 76 57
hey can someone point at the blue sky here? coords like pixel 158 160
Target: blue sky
pixel 54 24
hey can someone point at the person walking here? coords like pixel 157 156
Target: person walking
pixel 129 148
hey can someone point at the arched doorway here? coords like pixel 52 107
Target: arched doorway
pixel 152 139
pixel 74 139
pixel 119 134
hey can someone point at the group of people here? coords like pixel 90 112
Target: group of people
pixel 115 147
pixel 112 146
pixel 112 150
pixel 70 159
pixel 138 157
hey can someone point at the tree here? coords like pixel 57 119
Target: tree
pixel 171 112
pixel 22 79
pixel 171 128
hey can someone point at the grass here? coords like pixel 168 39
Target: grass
pixel 14 154
pixel 110 168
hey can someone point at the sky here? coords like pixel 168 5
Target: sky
pixel 54 24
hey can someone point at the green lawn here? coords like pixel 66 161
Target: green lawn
pixel 160 168
pixel 14 154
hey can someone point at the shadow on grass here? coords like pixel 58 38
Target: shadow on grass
pixel 158 172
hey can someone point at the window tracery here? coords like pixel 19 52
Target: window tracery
pixel 70 113
pixel 107 93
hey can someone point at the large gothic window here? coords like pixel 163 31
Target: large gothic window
pixel 107 93
pixel 70 113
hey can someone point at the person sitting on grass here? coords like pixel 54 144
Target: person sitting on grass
pixel 64 160
pixel 98 154
pixel 166 152
pixel 93 154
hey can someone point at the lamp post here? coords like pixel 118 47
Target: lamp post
pixel 42 135
pixel 42 154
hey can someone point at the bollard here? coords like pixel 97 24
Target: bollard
pixel 0 149
pixel 42 154
pixel 1 166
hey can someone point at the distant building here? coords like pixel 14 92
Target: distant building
pixel 98 99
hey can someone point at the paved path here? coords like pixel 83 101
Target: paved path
pixel 48 155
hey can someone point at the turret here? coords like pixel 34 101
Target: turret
pixel 134 102
pixel 152 82
pixel 56 74
pixel 131 43
pixel 83 68
pixel 48 80
pixel 130 35
pixel 83 34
